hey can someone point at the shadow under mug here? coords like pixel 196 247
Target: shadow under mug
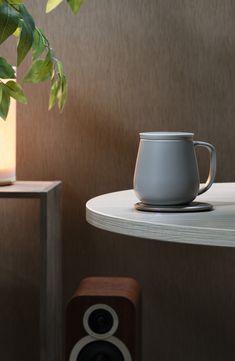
pixel 166 171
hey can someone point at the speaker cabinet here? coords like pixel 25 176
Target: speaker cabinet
pixel 103 320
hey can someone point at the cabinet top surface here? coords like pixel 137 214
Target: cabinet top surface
pixel 115 212
pixel 28 188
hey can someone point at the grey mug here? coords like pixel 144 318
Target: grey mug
pixel 166 171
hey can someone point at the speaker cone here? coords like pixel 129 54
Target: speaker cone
pixel 100 351
pixel 100 321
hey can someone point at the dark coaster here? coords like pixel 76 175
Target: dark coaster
pixel 191 207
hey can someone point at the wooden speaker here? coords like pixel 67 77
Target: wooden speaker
pixel 103 320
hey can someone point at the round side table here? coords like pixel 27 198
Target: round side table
pixel 115 212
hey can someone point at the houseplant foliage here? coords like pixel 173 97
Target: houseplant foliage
pixel 15 20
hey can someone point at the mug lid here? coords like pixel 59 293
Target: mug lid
pixel 166 135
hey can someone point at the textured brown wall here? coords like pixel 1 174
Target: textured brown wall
pixel 138 65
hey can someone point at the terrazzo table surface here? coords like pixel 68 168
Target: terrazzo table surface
pixel 115 212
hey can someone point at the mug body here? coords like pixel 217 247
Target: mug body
pixel 166 171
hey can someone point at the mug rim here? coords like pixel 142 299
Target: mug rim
pixel 166 135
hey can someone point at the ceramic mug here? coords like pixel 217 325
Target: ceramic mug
pixel 166 171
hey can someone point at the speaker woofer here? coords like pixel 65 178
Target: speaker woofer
pixel 90 349
pixel 100 351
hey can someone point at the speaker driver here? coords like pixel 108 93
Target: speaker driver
pixel 100 321
pixel 90 349
pixel 100 351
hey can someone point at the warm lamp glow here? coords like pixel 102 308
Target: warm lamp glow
pixel 8 146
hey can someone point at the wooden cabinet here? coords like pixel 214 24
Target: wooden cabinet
pixel 50 278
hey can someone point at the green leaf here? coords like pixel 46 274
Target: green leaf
pixel 75 5
pixel 60 68
pixel 59 90
pixel 6 70
pixel 62 93
pixel 5 102
pixel 53 93
pixel 27 17
pixel 52 4
pixel 40 70
pixel 26 35
pixel 16 91
pixel 14 2
pixel 62 89
pixel 25 43
pixel 9 20
pixel 38 44
pixel 17 32
pixel 0 94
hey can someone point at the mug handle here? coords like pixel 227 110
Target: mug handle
pixel 212 172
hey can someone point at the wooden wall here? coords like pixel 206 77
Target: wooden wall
pixel 136 65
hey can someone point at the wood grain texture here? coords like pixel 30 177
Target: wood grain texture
pixel 110 286
pixel 19 279
pixel 139 65
pixel 115 212
pixel 49 321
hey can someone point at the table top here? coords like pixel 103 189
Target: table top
pixel 115 212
